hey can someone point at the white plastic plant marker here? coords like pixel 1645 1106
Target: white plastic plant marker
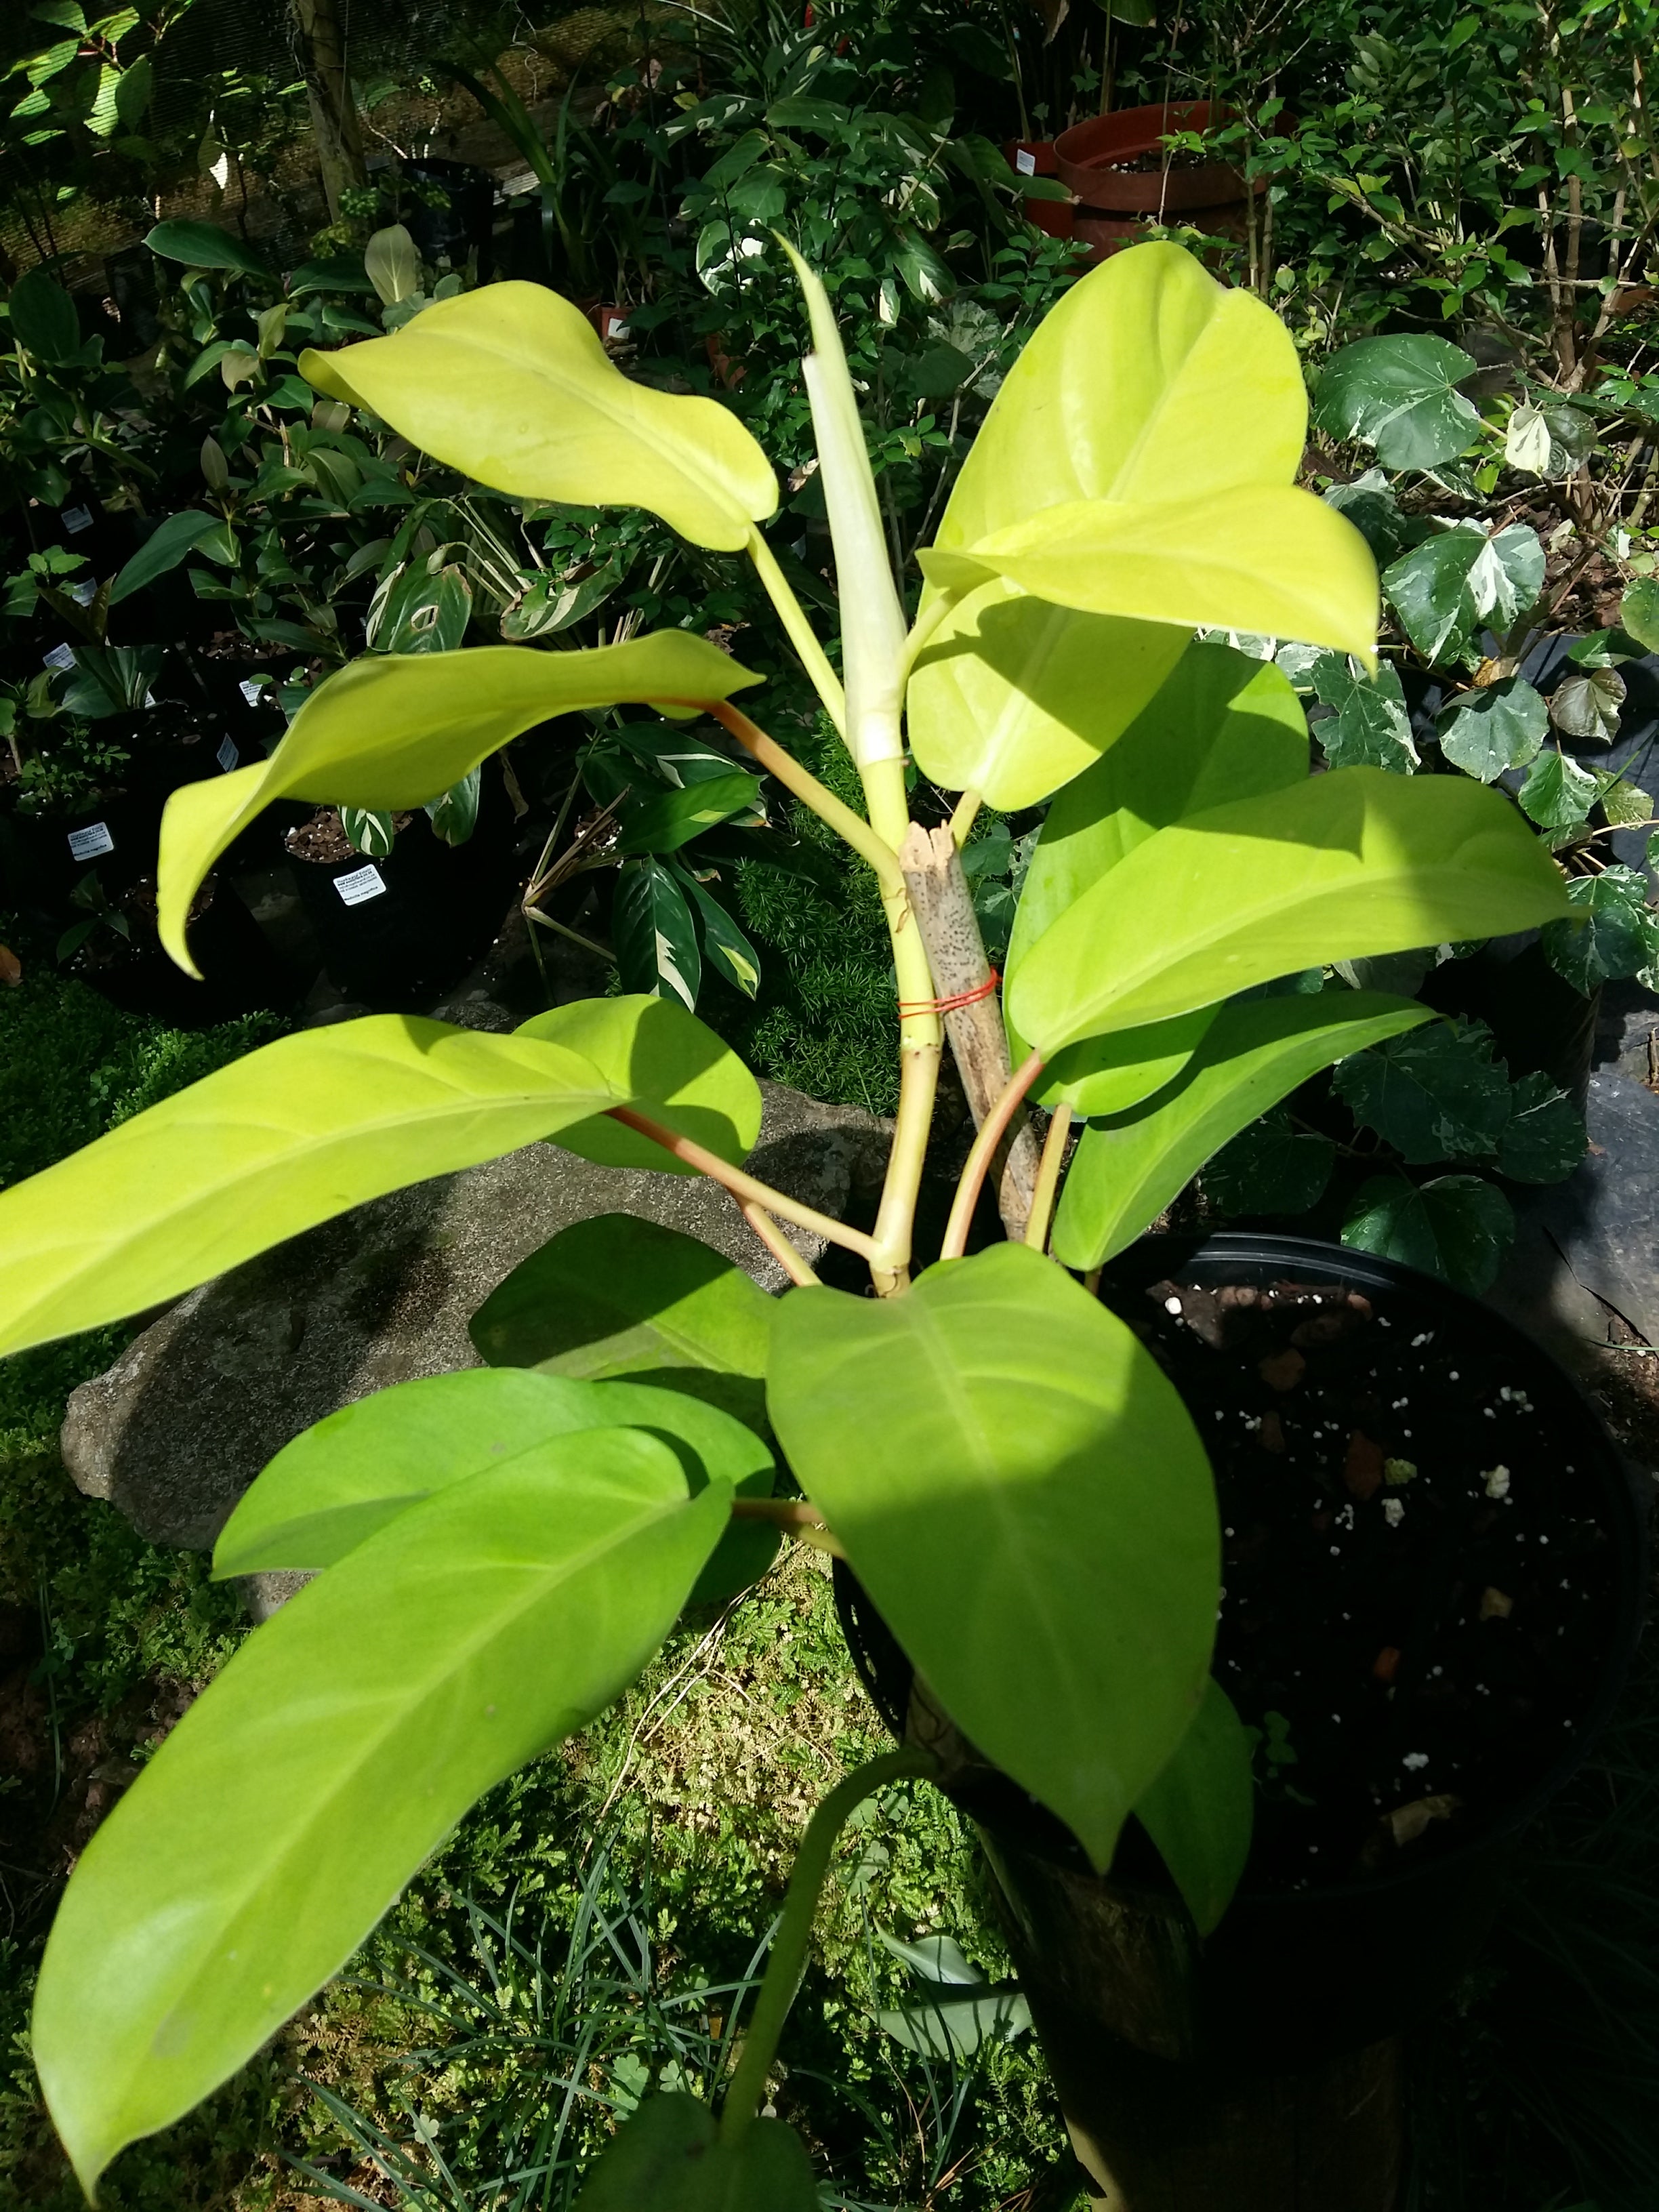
pixel 61 656
pixel 89 844
pixel 1025 161
pixel 77 519
pixel 251 690
pixel 362 884
pixel 227 757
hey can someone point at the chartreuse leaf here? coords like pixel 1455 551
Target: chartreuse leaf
pixel 1126 1171
pixel 281 1139
pixel 1457 1227
pixel 336 1751
pixel 511 385
pixel 1344 865
pixel 672 1067
pixel 619 1296
pixel 669 2157
pixel 1199 1810
pixel 1224 726
pixel 1269 558
pixel 1006 698
pixel 335 1485
pixel 1148 381
pixel 1023 1494
pixel 395 729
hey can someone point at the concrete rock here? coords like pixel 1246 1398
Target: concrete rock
pixel 174 1432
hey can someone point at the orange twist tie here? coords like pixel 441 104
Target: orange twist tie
pixel 956 1002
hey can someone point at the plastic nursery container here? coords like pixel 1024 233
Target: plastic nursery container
pixel 1299 1972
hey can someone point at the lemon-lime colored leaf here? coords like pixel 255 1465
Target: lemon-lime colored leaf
pixel 347 1476
pixel 395 729
pixel 1148 382
pixel 1266 558
pixel 1343 867
pixel 620 1296
pixel 1199 1811
pixel 511 384
pixel 1126 1171
pixel 669 2157
pixel 1222 727
pixel 281 1139
pixel 1012 695
pixel 1023 1494
pixel 671 1067
pixel 302 1789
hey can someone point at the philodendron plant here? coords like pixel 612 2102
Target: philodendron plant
pixel 999 1460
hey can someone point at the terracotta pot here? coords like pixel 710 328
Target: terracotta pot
pixel 1088 160
pixel 1106 234
pixel 1029 157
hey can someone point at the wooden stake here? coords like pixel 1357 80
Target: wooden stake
pixel 943 909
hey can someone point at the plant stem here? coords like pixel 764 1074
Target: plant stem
pixel 789 772
pixel 776 1242
pixel 1048 1181
pixel 979 1158
pixel 802 635
pixel 921 1038
pixel 963 817
pixel 793 1517
pixel 787 1963
pixel 743 1186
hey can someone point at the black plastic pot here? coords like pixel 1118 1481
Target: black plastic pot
pixel 239 974
pixel 1291 1977
pixel 423 916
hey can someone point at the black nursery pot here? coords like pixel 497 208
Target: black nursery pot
pixel 238 975
pixel 1319 1954
pixel 394 930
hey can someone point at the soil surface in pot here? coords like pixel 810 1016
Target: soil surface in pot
pixel 1417 1593
pixel 323 838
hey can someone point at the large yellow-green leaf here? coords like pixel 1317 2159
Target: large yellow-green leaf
pixel 1023 1495
pixel 1126 1172
pixel 1012 695
pixel 275 1143
pixel 671 1066
pixel 1264 557
pixel 333 1755
pixel 394 729
pixel 1148 381
pixel 1223 728
pixel 1340 868
pixel 511 384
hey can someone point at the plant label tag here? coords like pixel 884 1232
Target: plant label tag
pixel 613 323
pixel 89 844
pixel 362 884
pixel 83 594
pixel 1025 162
pixel 227 757
pixel 61 656
pixel 77 519
pixel 251 692
pixel 149 698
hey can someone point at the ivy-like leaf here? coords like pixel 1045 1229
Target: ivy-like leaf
pixel 1400 395
pixel 1272 1167
pixel 1617 936
pixel 1457 1227
pixel 1460 578
pixel 1434 1095
pixel 1494 727
pixel 1558 794
pixel 1588 706
pixel 1544 1139
pixel 1371 727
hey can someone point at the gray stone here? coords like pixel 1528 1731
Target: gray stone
pixel 1588 1249
pixel 174 1432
